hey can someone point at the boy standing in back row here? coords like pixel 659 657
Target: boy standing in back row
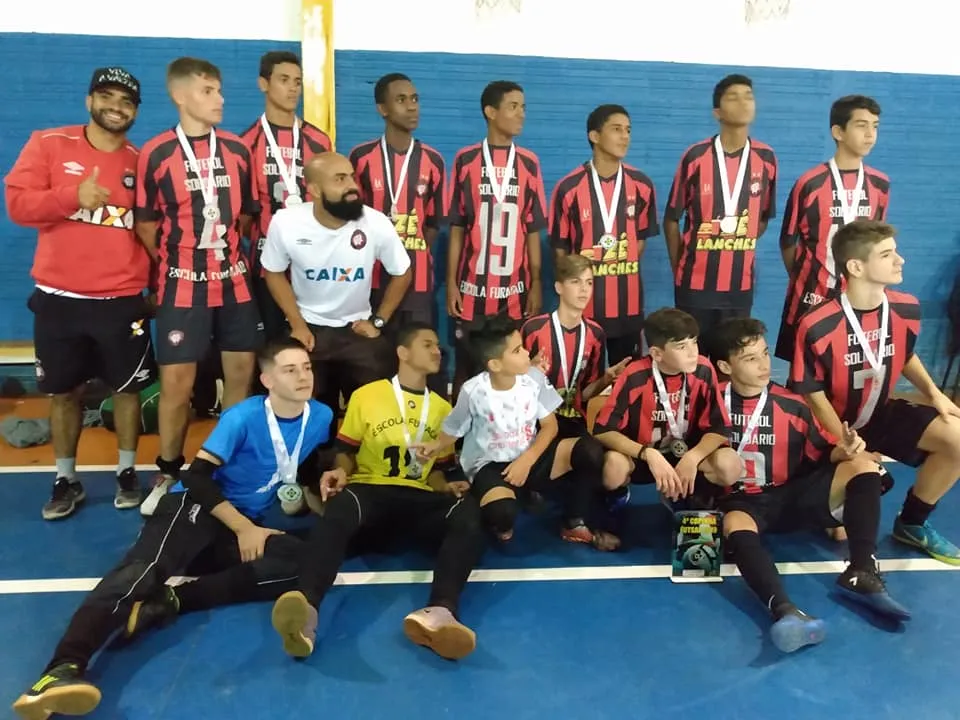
pixel 195 200
pixel 822 201
pixel 497 210
pixel 726 188
pixel 404 178
pixel 280 145
pixel 606 210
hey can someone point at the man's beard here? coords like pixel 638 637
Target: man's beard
pixel 344 209
pixel 97 117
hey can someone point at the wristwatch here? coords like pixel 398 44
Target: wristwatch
pixel 643 451
pixel 377 321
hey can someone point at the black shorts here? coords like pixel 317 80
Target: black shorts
pixel 622 347
pixel 570 427
pixel 786 342
pixel 703 489
pixel 490 476
pixel 708 319
pixel 77 339
pixel 275 323
pixel 465 360
pixel 801 504
pixel 624 337
pixel 418 307
pixel 184 335
pixel 896 428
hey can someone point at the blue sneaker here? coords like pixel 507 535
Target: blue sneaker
pixel 867 588
pixel 617 500
pixel 927 539
pixel 795 629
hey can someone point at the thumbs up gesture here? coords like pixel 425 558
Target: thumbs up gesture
pixel 91 193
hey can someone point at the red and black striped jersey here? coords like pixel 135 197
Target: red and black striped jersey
pixel 493 271
pixel 787 440
pixel 540 336
pixel 420 201
pixel 828 356
pixel 715 267
pixel 270 187
pixel 576 226
pixel 813 216
pixel 633 407
pixel 201 261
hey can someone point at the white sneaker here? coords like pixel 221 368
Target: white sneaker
pixel 437 628
pixel 160 488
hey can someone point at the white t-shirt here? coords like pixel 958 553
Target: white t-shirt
pixel 331 271
pixel 499 425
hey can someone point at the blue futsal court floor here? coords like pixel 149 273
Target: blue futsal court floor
pixel 563 631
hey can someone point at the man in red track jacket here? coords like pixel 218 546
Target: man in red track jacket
pixel 75 185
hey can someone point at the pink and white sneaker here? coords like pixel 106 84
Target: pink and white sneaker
pixel 436 628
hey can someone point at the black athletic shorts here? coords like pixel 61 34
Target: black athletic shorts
pixel 708 319
pixel 803 503
pixel 703 489
pixel 896 428
pixel 78 339
pixel 490 476
pixel 570 427
pixel 786 341
pixel 464 357
pixel 184 335
pixel 275 323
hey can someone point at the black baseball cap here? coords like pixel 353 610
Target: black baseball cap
pixel 115 77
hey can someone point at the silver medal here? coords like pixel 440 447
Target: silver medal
pixel 608 242
pixel 729 224
pixel 678 448
pixel 211 212
pixel 291 498
pixel 414 468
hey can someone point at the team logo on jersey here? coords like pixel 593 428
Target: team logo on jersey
pixel 175 337
pixel 358 241
pixel 631 210
pixel 421 189
pixel 73 168
pixel 755 188
pixel 129 180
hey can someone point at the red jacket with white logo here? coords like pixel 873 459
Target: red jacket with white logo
pixel 87 252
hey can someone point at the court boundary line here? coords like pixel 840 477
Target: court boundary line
pixel 495 575
pixel 29 469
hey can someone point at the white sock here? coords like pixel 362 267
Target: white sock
pixel 128 458
pixel 67 467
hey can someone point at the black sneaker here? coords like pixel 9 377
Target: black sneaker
pixel 64 499
pixel 162 609
pixel 128 495
pixel 61 690
pixel 867 588
pixel 795 629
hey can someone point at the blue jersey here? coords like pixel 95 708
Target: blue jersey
pixel 247 475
